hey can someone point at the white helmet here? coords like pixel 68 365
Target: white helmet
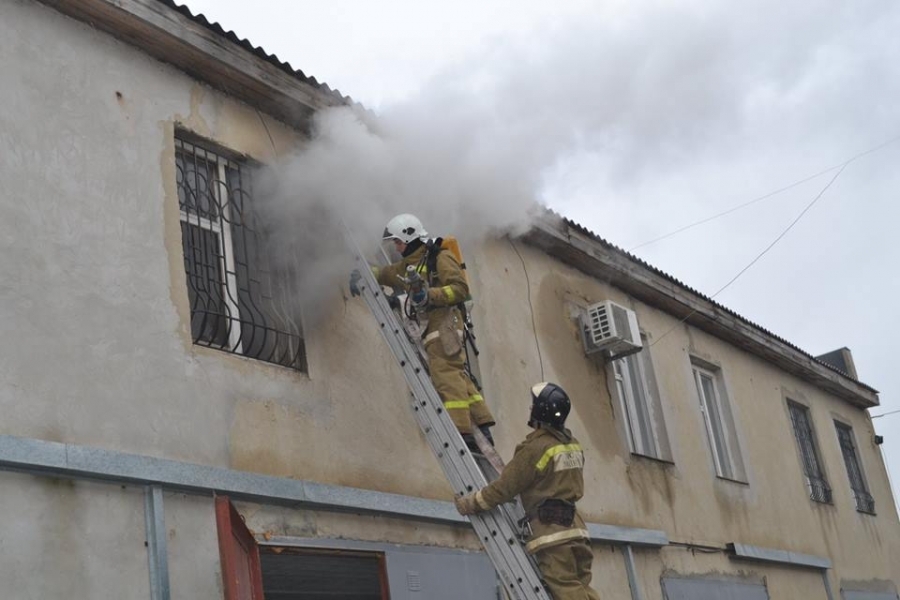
pixel 405 227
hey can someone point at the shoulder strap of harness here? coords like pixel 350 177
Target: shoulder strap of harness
pixel 431 255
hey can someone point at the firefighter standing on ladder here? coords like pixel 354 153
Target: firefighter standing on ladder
pixel 438 297
pixel 546 470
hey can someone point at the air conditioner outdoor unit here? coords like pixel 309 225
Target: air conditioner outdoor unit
pixel 610 328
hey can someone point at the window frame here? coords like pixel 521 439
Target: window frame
pixel 643 419
pixel 818 488
pixel 727 456
pixel 865 502
pixel 221 228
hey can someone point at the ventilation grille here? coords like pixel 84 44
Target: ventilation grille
pixel 599 328
pixel 413 581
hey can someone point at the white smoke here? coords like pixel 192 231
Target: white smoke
pixel 640 89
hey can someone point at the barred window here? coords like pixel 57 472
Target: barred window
pixel 819 490
pixel 239 303
pixel 864 500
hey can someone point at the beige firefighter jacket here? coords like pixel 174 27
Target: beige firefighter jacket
pixel 447 287
pixel 548 464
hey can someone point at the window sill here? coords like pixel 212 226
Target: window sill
pixel 244 361
pixel 730 480
pixel 653 459
pixel 822 502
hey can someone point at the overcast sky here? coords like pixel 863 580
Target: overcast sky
pixel 638 118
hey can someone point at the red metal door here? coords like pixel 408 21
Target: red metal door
pixel 239 554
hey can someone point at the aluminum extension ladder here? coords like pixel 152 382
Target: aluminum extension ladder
pixel 497 530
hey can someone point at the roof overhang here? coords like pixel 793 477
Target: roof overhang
pixel 194 46
pixel 578 248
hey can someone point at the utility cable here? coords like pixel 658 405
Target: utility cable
pixel 761 254
pixel 892 412
pixel 269 133
pixel 783 233
pixel 769 195
pixel 531 307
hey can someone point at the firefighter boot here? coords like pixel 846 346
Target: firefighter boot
pixel 486 430
pixel 471 444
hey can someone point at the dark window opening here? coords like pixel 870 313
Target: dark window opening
pixel 819 490
pixel 305 574
pixel 864 500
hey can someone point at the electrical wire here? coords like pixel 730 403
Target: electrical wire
pixel 892 412
pixel 761 254
pixel 783 233
pixel 531 307
pixel 269 133
pixel 768 195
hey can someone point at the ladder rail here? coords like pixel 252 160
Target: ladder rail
pixel 497 530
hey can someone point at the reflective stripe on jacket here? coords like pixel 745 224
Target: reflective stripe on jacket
pixel 447 287
pixel 548 464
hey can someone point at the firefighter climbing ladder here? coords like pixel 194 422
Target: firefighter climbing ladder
pixel 497 529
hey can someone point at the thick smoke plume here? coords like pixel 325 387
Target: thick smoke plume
pixel 639 92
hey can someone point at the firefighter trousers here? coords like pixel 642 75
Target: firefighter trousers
pixel 567 570
pixel 461 398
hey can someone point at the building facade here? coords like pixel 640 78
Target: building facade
pixel 171 429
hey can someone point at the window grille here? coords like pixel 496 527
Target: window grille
pixel 239 303
pixel 819 490
pixel 864 500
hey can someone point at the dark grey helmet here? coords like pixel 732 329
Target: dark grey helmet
pixel 550 405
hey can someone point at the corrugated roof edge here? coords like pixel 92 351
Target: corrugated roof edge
pixel 272 59
pixel 612 247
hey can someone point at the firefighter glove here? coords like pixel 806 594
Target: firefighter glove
pixel 355 276
pixel 467 505
pixel 419 296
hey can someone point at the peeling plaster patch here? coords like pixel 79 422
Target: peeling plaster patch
pixel 195 120
pixel 267 522
pixel 380 529
pixel 172 236
pixel 249 129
